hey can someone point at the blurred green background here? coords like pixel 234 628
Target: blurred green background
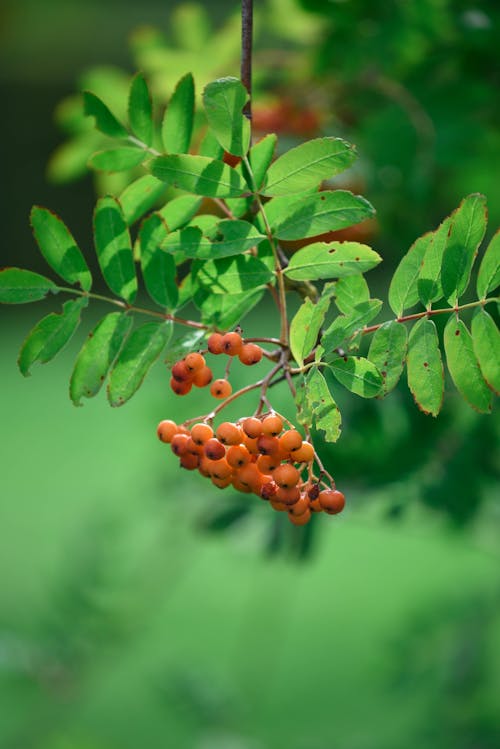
pixel 138 606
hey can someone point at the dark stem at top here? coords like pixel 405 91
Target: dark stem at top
pixel 246 52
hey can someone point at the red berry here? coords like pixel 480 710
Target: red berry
pixel 214 449
pixel 179 444
pixel 180 388
pixel 181 373
pixel 332 501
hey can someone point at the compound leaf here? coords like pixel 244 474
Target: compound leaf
pixel 486 344
pixel 225 310
pixel 59 248
pixel 105 121
pixel 489 271
pixel 50 335
pixel 224 100
pixel 97 355
pixel 199 175
pixel 331 260
pixel 140 110
pixel 139 197
pixel 142 348
pixel 358 375
pixel 350 291
pixel 464 367
pixel 425 367
pixel 306 324
pixel 179 211
pixel 429 277
pixel 228 237
pixel 117 159
pixel 467 230
pixel 114 248
pixel 234 275
pixel 177 125
pixel 19 286
pixel 403 289
pixel 315 405
pixel 388 352
pixel 346 326
pixel 260 157
pixel 158 267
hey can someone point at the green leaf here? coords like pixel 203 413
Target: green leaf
pixel 260 157
pixel 429 278
pixel 179 211
pixel 200 175
pixel 224 311
pixel 177 126
pixel 307 165
pixel 114 248
pixel 234 275
pixel 331 260
pixel 346 326
pixel 117 159
pixel 298 218
pixel 486 344
pixel 105 121
pixel 158 267
pixel 228 237
pixel 59 248
pixel 183 345
pixel 224 100
pixel 140 110
pixel 388 352
pixel 97 355
pixel 350 291
pixel 50 335
pixel 489 271
pixel 467 230
pixel 211 147
pixel 306 324
pixel 425 368
pixel 139 197
pixel 20 286
pixel 464 367
pixel 403 289
pixel 141 350
pixel 315 405
pixel 358 375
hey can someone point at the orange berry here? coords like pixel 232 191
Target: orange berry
pixel 252 427
pixel 166 430
pixel 180 388
pixel 222 483
pixel 251 445
pixel 201 433
pixel 277 505
pixel 179 444
pixel 301 506
pixel 202 377
pixel 304 454
pixel 250 354
pixel 290 440
pixel 232 344
pixel 241 486
pixel 315 505
pixel 302 519
pixel 214 343
pixel 268 463
pixel 204 466
pixel 190 461
pixel 289 495
pixel 268 445
pixel 214 449
pixel 272 425
pixel 238 456
pixel 286 476
pixel 228 433
pixel 220 469
pixel 181 373
pixel 249 475
pixel 221 389
pixel 192 447
pixel 332 501
pixel 268 490
pixel 194 362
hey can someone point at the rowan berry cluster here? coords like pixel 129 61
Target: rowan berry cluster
pixel 193 369
pixel 256 455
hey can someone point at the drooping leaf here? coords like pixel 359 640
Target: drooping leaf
pixel 350 291
pixel 50 335
pixel 316 406
pixel 20 286
pixel 358 375
pixel 260 157
pixel 306 324
pixel 429 277
pixel 425 367
pixel 59 248
pixel 199 175
pixel 225 310
pixel 234 275
pixel 317 214
pixel 228 237
pixel 140 110
pixel 488 278
pixel 331 260
pixel 142 348
pixel 183 345
pixel 467 230
pixel 486 344
pixel 388 352
pixel 140 196
pixel 224 100
pixel 158 267
pixel 97 355
pixel 117 159
pixel 177 125
pixel 403 289
pixel 105 121
pixel 114 248
pixel 346 326
pixel 464 367
pixel 179 211
pixel 307 165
